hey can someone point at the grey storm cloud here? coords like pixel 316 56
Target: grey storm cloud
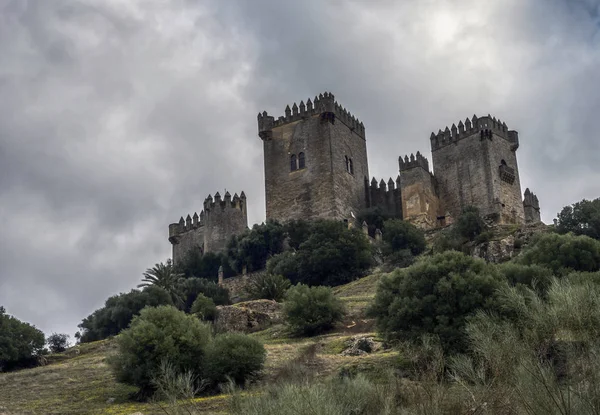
pixel 119 116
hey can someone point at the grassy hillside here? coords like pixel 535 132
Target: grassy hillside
pixel 79 381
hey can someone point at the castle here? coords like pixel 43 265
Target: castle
pixel 316 167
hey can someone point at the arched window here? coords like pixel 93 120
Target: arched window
pixel 293 163
pixel 351 166
pixel 301 162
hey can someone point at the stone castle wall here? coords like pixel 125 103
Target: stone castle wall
pixel 327 186
pixel 475 165
pixel 420 201
pixel 219 220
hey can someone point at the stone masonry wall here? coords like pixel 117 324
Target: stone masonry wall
pixel 420 203
pixel 467 168
pixel 325 188
pixel 222 222
pixel 187 242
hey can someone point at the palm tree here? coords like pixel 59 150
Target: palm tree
pixel 164 276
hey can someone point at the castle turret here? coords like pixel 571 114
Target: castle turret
pixel 218 221
pixel 420 203
pixel 315 159
pixel 475 164
pixel 531 206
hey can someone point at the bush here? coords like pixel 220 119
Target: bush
pixel 234 356
pixel 312 310
pixel 156 335
pixel 204 308
pixel 402 235
pixel 532 276
pixel 332 255
pixel 267 286
pixel 58 342
pixel 469 224
pixel 192 287
pixel 253 247
pixel 435 296
pixel 119 310
pixel 562 253
pixel 582 218
pixel 20 343
pixel 374 217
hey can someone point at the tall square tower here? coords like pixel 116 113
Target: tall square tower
pixel 475 164
pixel 315 160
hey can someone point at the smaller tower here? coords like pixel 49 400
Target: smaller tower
pixel 210 231
pixel 420 202
pixel 531 206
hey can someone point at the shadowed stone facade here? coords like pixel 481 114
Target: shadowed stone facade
pixel 218 221
pixel 316 167
pixel 315 161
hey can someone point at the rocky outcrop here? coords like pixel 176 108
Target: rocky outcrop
pixel 507 247
pixel 248 317
pixel 361 345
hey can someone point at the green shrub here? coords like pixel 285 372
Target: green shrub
pixel 532 276
pixel 267 286
pixel 469 224
pixel 312 310
pixel 156 335
pixel 20 343
pixel 434 296
pixel 204 308
pixel 58 343
pixel 582 218
pixel 119 310
pixel 400 259
pixel 332 255
pixel 402 235
pixel 192 287
pixel 234 356
pixel 562 253
pixel 252 248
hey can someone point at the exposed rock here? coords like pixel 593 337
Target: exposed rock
pixel 110 400
pixel 361 345
pixel 248 317
pixel 496 251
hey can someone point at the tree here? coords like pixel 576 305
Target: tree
pixel 582 218
pixel 312 310
pixel 58 342
pixel 562 253
pixel 20 343
pixel 470 224
pixel 157 335
pixel 119 310
pixel 191 287
pixel 163 276
pixel 252 248
pixel 199 265
pixel 332 255
pixel 374 217
pixel 401 235
pixel 435 296
pixel 204 308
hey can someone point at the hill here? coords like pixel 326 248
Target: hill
pixel 79 381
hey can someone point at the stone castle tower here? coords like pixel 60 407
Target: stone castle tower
pixel 315 159
pixel 209 232
pixel 475 164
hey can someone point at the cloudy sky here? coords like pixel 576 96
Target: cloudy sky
pixel 119 116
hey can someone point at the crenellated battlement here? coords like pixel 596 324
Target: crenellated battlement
pixel 487 127
pixel 211 206
pixel 531 206
pixel 384 195
pixel 322 104
pixel 413 161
